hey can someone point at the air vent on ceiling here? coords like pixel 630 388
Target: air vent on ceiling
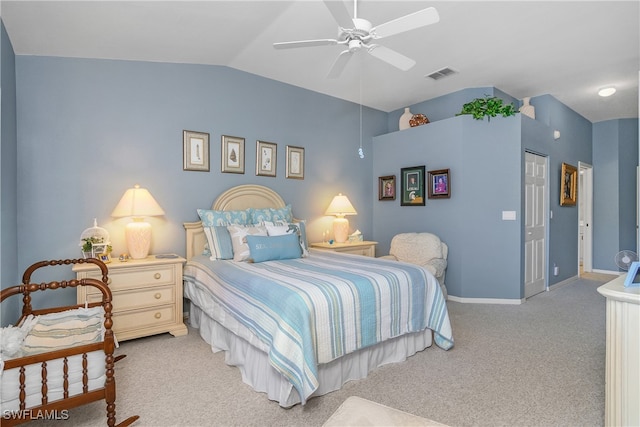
pixel 442 73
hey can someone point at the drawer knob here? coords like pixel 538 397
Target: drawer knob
pixel 158 295
pixel 158 315
pixel 157 276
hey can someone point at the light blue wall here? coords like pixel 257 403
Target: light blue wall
pixel 484 251
pixel 447 106
pixel 573 146
pixel 615 158
pixel 9 275
pixel 90 129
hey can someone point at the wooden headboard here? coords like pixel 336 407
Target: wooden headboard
pixel 236 198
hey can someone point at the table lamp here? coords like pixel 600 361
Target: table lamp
pixel 340 206
pixel 137 203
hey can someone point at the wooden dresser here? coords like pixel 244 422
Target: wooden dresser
pixel 147 295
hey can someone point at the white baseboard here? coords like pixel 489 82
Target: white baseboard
pixel 564 282
pixel 485 300
pixel 615 273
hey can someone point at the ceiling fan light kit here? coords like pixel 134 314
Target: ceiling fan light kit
pixel 357 33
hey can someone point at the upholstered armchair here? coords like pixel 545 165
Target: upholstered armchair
pixel 424 249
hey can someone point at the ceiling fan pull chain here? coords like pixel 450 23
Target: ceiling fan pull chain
pixel 360 150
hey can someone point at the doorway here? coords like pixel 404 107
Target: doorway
pixel 535 224
pixel 585 217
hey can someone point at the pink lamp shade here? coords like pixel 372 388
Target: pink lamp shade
pixel 137 203
pixel 340 207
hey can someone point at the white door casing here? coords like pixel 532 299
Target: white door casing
pixel 585 226
pixel 535 224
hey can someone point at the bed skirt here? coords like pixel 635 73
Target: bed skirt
pixel 243 349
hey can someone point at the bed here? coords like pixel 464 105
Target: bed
pixel 303 326
pixel 58 358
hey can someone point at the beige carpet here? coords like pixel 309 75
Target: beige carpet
pixel 538 364
pixel 356 411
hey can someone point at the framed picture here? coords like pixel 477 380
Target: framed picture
pixel 232 154
pixel 633 276
pixel 295 162
pixel 568 185
pixel 265 158
pixel 439 184
pixel 412 186
pixel 387 187
pixel 195 151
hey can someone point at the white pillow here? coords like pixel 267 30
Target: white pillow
pixel 281 228
pixel 238 234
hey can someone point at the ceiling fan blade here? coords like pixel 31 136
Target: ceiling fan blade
pixel 409 22
pixel 391 56
pixel 339 64
pixel 340 13
pixel 305 43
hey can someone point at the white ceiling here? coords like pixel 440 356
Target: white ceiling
pixel 568 49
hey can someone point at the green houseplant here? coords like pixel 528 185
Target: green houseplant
pixel 487 106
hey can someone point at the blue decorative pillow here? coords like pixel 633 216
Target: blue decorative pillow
pixel 211 218
pixel 268 248
pixel 258 216
pixel 218 240
pixel 298 228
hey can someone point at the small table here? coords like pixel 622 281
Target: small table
pixel 147 295
pixel 366 248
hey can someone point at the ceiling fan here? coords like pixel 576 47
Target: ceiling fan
pixel 357 34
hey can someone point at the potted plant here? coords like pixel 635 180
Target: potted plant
pixel 92 246
pixel 487 106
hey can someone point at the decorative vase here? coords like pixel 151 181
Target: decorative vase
pixel 404 119
pixel 528 109
pixel 418 120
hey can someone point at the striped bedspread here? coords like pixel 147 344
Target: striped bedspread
pixel 313 310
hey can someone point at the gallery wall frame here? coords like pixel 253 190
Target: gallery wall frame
pixel 295 162
pixel 232 154
pixel 568 185
pixel 387 187
pixel 266 158
pixel 195 151
pixel 412 186
pixel 439 183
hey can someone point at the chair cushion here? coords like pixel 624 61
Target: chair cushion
pixel 416 248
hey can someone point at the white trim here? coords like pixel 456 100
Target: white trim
pixel 616 273
pixel 485 300
pixel 564 283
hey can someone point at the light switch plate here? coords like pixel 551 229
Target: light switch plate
pixel 508 215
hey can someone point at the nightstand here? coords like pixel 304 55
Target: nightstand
pixel 147 295
pixel 365 248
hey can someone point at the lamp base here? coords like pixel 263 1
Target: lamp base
pixel 340 229
pixel 138 236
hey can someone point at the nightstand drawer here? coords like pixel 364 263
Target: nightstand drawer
pixel 356 251
pixel 125 300
pixel 146 295
pixel 136 277
pixel 139 319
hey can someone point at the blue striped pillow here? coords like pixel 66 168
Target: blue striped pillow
pixel 215 224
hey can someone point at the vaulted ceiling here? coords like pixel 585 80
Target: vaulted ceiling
pixel 568 49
